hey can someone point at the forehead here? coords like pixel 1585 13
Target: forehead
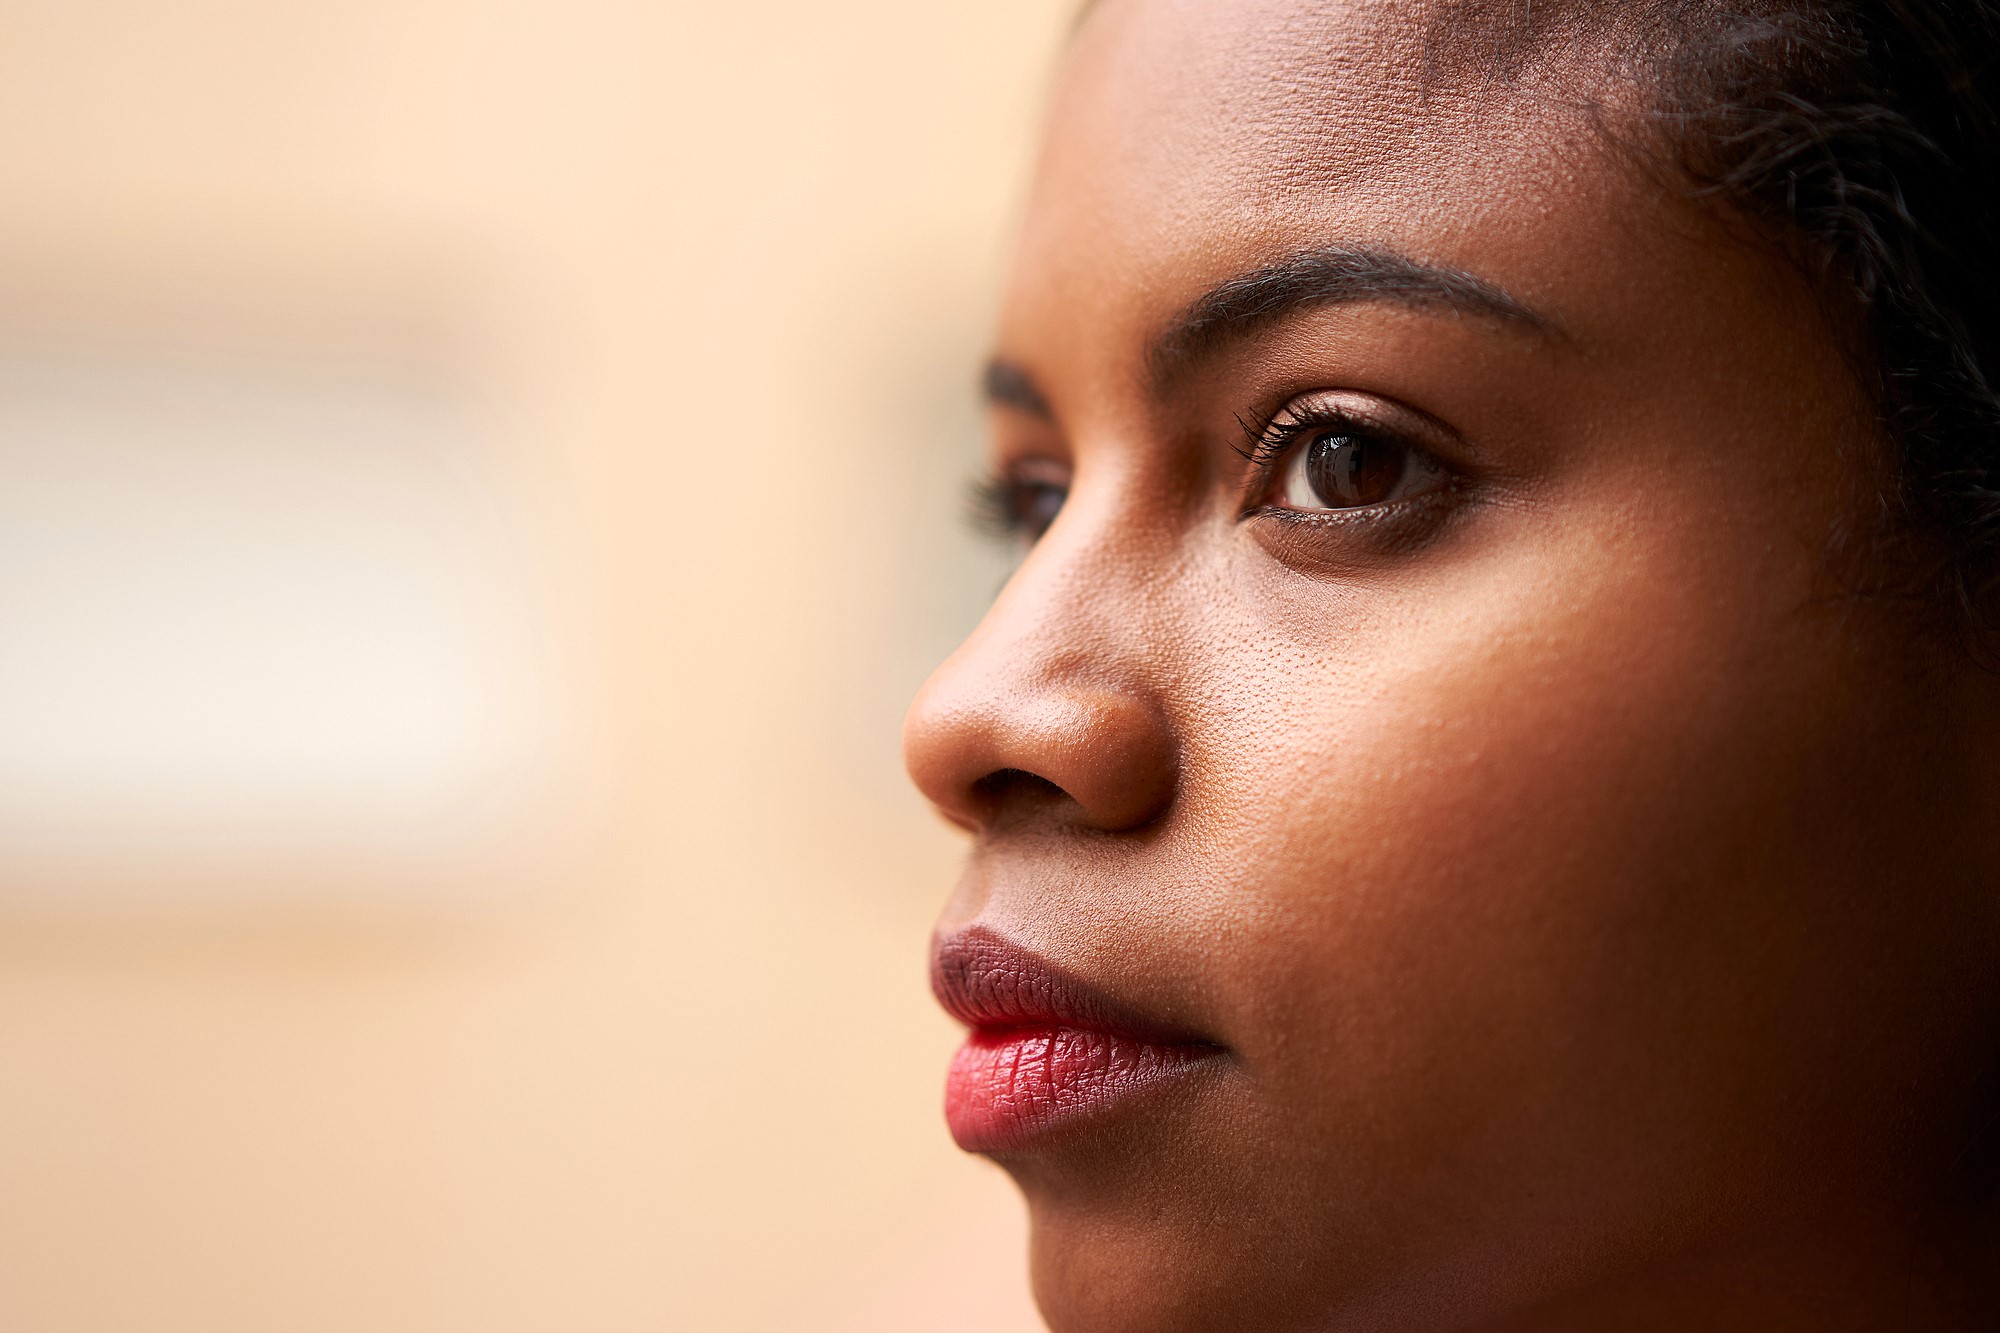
pixel 1244 83
pixel 1191 139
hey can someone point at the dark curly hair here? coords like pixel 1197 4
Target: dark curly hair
pixel 1864 137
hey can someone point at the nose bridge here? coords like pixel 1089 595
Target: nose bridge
pixel 1060 621
pixel 1056 683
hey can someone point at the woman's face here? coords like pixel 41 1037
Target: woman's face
pixel 1444 849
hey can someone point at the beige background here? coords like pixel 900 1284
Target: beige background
pixel 487 476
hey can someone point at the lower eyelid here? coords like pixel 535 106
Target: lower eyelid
pixel 1386 511
pixel 1362 514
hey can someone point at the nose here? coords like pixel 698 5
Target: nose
pixel 1047 705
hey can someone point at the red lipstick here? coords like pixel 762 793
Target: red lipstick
pixel 1046 1050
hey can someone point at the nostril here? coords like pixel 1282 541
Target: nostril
pixel 1015 790
pixel 1016 784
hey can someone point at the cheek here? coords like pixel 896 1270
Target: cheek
pixel 1500 847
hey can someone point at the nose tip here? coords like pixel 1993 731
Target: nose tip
pixel 980 755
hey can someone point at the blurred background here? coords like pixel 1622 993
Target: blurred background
pixel 479 480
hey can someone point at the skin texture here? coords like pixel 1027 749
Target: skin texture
pixel 1593 900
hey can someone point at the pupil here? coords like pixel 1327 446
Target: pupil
pixel 1349 471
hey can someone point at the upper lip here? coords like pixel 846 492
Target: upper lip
pixel 987 981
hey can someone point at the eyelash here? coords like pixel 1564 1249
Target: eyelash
pixel 1263 447
pixel 992 509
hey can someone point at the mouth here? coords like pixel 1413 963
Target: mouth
pixel 1047 1052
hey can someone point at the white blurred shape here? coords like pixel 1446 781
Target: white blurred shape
pixel 252 612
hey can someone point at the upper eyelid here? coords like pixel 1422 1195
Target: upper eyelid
pixel 1275 438
pixel 1269 443
pixel 1396 420
pixel 1014 437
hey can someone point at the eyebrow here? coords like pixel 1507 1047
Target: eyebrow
pixel 1245 305
pixel 1006 384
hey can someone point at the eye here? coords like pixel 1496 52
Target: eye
pixel 1023 502
pixel 1342 467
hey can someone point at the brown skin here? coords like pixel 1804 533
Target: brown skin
pixel 1594 902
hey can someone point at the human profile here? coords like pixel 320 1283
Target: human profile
pixel 1484 786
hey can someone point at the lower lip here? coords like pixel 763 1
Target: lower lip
pixel 1007 1087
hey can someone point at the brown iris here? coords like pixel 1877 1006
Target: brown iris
pixel 1349 471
